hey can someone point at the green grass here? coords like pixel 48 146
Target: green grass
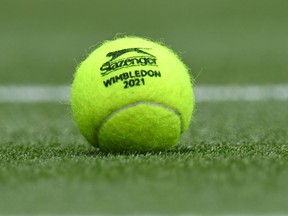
pixel 234 158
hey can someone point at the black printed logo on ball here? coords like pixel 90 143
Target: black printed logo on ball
pixel 141 57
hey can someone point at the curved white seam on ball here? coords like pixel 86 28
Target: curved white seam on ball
pixel 135 104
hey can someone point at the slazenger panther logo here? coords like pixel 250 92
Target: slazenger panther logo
pixel 116 62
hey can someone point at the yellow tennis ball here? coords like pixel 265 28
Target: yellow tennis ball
pixel 132 94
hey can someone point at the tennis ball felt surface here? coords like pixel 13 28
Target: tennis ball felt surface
pixel 132 94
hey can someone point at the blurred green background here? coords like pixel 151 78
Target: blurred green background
pixel 222 41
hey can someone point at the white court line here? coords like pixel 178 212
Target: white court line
pixel 153 214
pixel 33 94
pixel 203 93
pixel 238 93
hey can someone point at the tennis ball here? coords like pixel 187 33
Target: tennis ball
pixel 132 94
